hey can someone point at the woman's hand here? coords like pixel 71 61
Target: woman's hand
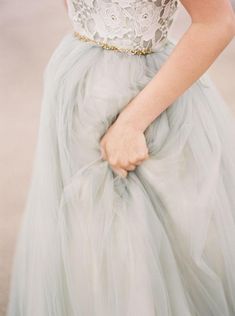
pixel 124 147
pixel 211 30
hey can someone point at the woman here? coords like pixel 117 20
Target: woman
pixel 131 208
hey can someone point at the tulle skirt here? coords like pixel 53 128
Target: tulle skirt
pixel 160 242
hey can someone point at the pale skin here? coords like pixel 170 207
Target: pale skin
pixel 212 28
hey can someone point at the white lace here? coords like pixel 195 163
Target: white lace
pixel 136 24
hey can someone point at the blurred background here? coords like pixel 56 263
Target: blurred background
pixel 29 32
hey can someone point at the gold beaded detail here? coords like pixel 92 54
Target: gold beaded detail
pixel 104 45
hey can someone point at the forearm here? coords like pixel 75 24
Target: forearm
pixel 192 56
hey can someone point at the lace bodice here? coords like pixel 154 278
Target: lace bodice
pixel 136 24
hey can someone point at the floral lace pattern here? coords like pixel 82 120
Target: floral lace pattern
pixel 133 24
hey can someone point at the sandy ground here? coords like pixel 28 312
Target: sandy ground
pixel 30 31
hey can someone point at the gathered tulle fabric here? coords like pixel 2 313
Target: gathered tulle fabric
pixel 157 243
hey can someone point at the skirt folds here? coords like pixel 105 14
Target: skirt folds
pixel 159 242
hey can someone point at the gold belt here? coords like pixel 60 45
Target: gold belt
pixel 104 45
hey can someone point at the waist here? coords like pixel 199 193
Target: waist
pixel 111 46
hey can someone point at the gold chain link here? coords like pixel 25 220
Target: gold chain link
pixel 104 45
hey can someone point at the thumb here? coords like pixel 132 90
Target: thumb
pixel 103 154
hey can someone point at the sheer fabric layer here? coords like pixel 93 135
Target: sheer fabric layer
pixel 159 242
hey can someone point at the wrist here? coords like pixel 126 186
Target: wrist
pixel 132 120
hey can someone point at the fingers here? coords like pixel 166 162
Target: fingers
pixel 103 153
pixel 130 167
pixel 138 161
pixel 119 171
pixel 121 167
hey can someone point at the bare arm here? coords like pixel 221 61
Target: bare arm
pixel 211 30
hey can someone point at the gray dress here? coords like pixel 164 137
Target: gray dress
pixel 160 242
